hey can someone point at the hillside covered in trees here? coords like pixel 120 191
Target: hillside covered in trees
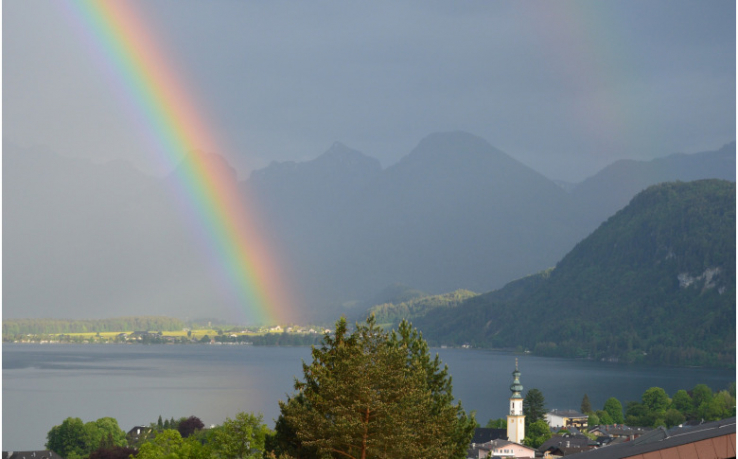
pixel 394 312
pixel 654 284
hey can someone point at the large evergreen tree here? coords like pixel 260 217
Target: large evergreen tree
pixel 586 406
pixel 534 407
pixel 369 394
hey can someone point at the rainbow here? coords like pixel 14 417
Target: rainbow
pixel 167 112
pixel 584 48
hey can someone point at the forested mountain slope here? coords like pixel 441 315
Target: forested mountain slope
pixel 393 313
pixel 655 283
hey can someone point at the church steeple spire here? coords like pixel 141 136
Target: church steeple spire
pixel 516 419
pixel 516 388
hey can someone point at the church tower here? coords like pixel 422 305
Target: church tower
pixel 516 419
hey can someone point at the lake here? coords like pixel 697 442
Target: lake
pixel 45 384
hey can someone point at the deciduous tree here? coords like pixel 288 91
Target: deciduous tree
pixel 673 418
pixel 169 444
pixel 656 400
pixel 70 439
pixel 187 427
pixel 537 433
pixel 106 430
pixel 605 417
pixel 242 437
pixel 500 423
pixel 615 409
pixel 682 402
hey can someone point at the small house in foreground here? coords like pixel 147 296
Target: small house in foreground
pixel 500 448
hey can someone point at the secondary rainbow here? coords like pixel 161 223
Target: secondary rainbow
pixel 168 114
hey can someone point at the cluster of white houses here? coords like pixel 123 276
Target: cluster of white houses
pixel 713 440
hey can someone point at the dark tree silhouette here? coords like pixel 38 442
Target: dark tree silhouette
pixel 189 426
pixel 534 406
pixel 586 407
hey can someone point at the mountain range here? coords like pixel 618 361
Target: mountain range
pixel 95 240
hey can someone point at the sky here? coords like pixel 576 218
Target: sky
pixel 565 87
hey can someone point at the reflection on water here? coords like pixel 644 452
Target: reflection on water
pixel 44 384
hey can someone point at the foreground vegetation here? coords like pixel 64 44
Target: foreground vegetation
pixel 296 435
pixel 349 404
pixel 242 437
pixel 367 393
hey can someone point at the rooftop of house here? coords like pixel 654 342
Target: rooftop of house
pixel 567 413
pixel 492 445
pixel 619 430
pixel 568 441
pixel 714 440
pixel 41 454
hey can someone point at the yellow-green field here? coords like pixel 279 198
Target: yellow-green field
pixel 196 334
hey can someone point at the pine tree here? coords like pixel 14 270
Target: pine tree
pixel 438 380
pixel 368 394
pixel 534 406
pixel 586 407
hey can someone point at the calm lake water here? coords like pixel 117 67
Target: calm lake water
pixel 44 384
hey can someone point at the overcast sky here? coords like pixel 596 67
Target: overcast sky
pixel 565 87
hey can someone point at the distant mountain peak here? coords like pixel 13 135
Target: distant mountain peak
pixel 339 147
pixel 452 144
pixel 342 155
pixel 337 159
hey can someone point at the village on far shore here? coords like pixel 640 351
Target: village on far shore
pixel 210 335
